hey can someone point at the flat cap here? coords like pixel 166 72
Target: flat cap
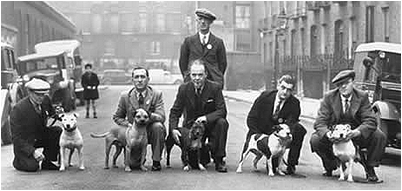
pixel 343 76
pixel 38 85
pixel 202 12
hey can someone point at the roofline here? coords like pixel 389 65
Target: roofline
pixel 39 56
pixel 378 46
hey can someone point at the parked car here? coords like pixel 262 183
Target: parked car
pixel 115 77
pixel 160 76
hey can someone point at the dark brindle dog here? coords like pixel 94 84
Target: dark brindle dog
pixel 190 140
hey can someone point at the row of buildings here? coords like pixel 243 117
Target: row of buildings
pixel 311 40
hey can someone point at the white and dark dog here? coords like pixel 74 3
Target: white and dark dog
pixel 271 146
pixel 70 138
pixel 345 151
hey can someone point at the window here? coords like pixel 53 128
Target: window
pixel 114 23
pixel 96 23
pixel 313 41
pixel 155 47
pixel 126 22
pixel 293 43
pixel 242 16
pixel 160 22
pixel 143 22
pixel 339 38
pixel 385 12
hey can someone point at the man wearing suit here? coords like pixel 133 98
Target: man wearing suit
pixel 276 107
pixel 348 105
pixel 202 100
pixel 29 131
pixel 150 99
pixel 205 46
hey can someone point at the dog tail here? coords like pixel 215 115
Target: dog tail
pixel 99 135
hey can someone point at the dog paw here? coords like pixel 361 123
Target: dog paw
pixel 127 169
pixel 201 167
pixel 186 168
pixel 143 168
pixel 280 172
pixel 341 178
pixel 70 165
pixel 350 179
pixel 62 168
pixel 271 174
pixel 239 170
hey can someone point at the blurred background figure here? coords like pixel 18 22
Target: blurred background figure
pixel 90 82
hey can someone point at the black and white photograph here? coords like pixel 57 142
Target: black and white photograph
pixel 200 95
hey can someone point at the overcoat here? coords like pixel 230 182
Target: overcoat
pixel 90 83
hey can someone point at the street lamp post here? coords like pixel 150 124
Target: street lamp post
pixel 280 28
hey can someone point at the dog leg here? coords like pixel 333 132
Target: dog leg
pixel 350 167
pixel 342 174
pixel 269 166
pixel 256 159
pixel 185 159
pixel 280 165
pixel 127 159
pixel 168 150
pixel 69 157
pixel 116 154
pixel 200 166
pixel 143 156
pixel 242 158
pixel 108 146
pixel 80 157
pixel 62 153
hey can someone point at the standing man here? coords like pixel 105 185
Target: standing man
pixel 29 131
pixel 348 105
pixel 276 107
pixel 90 83
pixel 150 99
pixel 202 100
pixel 204 46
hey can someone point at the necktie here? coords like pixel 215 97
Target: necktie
pixel 140 99
pixel 198 91
pixel 38 109
pixel 204 40
pixel 347 105
pixel 277 109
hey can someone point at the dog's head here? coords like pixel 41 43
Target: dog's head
pixel 196 133
pixel 282 131
pixel 340 131
pixel 69 121
pixel 141 117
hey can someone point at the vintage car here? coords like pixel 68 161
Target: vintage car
pixel 160 76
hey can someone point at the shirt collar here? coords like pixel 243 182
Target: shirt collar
pixel 137 93
pixel 202 35
pixel 344 98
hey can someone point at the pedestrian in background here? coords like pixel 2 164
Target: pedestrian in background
pixel 348 105
pixel 201 100
pixel 204 46
pixel 90 83
pixel 277 107
pixel 28 121
pixel 144 96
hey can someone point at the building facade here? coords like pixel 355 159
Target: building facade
pixel 314 40
pixel 26 23
pixel 122 34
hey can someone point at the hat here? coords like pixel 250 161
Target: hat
pixel 202 12
pixel 343 75
pixel 38 86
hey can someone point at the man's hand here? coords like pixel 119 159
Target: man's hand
pixel 202 119
pixel 353 133
pixel 176 135
pixel 37 154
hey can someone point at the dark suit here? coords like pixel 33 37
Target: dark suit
pixel 362 118
pixel 90 79
pixel 215 58
pixel 212 106
pixel 260 120
pixel 29 132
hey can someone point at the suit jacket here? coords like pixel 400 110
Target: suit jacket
pixel 27 126
pixel 212 104
pixel 331 108
pixel 259 119
pixel 90 79
pixel 128 103
pixel 215 58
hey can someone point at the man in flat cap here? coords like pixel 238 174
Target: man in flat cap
pixel 28 121
pixel 348 105
pixel 205 46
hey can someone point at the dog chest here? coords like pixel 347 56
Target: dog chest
pixel 344 150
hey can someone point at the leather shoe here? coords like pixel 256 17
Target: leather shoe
pixel 156 166
pixel 371 176
pixel 49 165
pixel 290 170
pixel 327 173
pixel 220 167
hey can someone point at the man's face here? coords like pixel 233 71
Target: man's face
pixel 88 69
pixel 284 90
pixel 198 75
pixel 140 79
pixel 203 24
pixel 345 87
pixel 37 97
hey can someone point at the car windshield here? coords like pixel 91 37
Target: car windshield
pixel 51 63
